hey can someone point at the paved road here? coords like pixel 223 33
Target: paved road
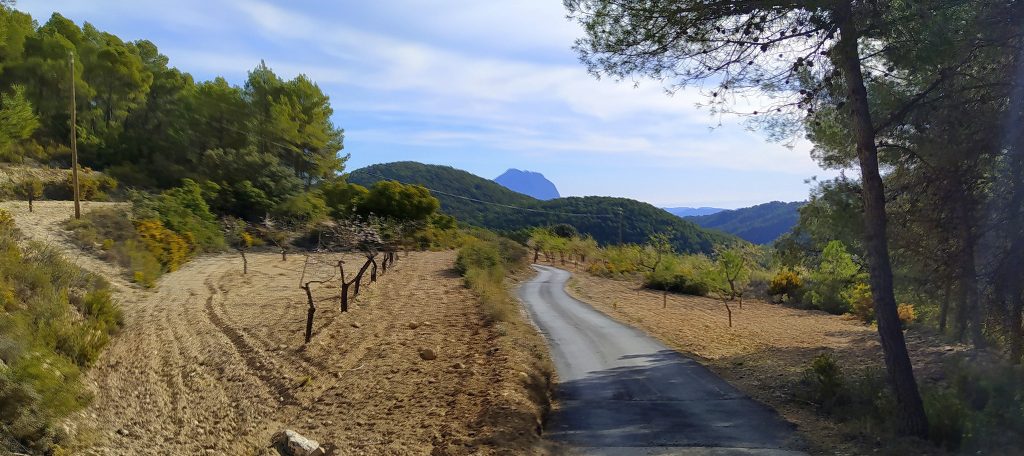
pixel 622 392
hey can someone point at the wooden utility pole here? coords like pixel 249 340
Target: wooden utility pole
pixel 620 226
pixel 74 139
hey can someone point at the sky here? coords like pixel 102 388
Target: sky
pixel 478 85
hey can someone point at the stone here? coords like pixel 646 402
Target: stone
pixel 355 324
pixel 413 325
pixel 458 366
pixel 427 354
pixel 291 443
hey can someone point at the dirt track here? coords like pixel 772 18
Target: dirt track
pixel 212 361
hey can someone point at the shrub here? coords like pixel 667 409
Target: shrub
pixel 184 211
pixel 824 381
pixel 170 250
pixel 483 261
pixel 786 284
pixel 906 313
pixel 479 255
pixel 833 276
pixel 55 321
pixel 860 302
pixel 677 281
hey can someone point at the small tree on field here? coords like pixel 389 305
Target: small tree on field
pixel 728 278
pixel 29 188
pixel 238 238
pixel 279 234
pixel 656 249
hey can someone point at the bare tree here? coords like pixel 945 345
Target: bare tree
pixel 278 233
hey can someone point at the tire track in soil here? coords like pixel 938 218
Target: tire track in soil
pixel 197 370
pixel 244 350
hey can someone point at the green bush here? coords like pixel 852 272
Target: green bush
pixel 677 281
pixel 56 320
pixel 786 285
pixel 478 254
pixel 825 383
pixel 184 211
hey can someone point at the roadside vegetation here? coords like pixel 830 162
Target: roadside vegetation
pixel 55 321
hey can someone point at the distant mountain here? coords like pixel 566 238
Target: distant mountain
pixel 460 194
pixel 528 183
pixel 693 211
pixel 761 224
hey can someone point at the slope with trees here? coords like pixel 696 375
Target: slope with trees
pixel 466 197
pixel 760 224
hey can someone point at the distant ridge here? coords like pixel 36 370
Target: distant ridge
pixel 528 183
pixel 761 224
pixel 482 202
pixel 693 211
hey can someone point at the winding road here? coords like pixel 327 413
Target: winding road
pixel 621 392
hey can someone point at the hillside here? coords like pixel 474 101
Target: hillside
pixel 460 194
pixel 761 224
pixel 693 211
pixel 528 183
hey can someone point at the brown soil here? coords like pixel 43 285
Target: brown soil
pixel 766 351
pixel 212 361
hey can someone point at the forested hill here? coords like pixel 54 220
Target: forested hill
pixel 457 190
pixel 761 224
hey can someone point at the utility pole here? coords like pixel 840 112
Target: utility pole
pixel 620 226
pixel 74 139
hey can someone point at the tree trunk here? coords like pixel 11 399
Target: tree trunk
pixel 309 313
pixel 359 277
pixel 30 204
pixel 1016 331
pixel 728 310
pixel 664 298
pixel 245 263
pixel 536 255
pixel 373 270
pixel 944 310
pixel 911 417
pixel 284 255
pixel 344 295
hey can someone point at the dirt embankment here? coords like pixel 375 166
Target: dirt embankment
pixel 211 361
pixel 766 351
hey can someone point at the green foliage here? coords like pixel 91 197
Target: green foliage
pixel 981 411
pixel 92 186
pixel 616 261
pixel 859 300
pixel 55 321
pixel 640 220
pixel 483 261
pixel 674 275
pixel 825 380
pixel 477 254
pixel 29 188
pixel 303 209
pixel 787 285
pixel 17 122
pixel 183 210
pixel 760 224
pixel 397 201
pixel 834 275
pixel 150 125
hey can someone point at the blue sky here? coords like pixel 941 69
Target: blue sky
pixel 478 85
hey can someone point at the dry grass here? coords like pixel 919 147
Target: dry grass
pixel 766 351
pixel 212 361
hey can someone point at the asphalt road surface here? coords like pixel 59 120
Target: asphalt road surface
pixel 621 392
